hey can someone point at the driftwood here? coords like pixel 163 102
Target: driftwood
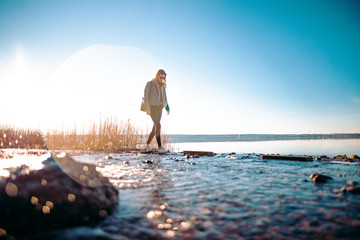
pixel 198 153
pixel 289 158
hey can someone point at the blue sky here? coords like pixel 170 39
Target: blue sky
pixel 233 66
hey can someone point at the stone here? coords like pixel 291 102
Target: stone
pixel 319 178
pixel 354 190
pixel 351 183
pixel 288 158
pixel 64 193
pixel 341 156
pixel 199 153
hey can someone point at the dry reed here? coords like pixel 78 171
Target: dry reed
pixel 107 135
pixel 21 138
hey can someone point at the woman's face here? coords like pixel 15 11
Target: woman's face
pixel 162 78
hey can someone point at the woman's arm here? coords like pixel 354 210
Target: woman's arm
pixel 166 104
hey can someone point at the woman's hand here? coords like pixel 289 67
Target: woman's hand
pixel 168 111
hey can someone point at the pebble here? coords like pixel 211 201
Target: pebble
pixel 351 183
pixel 353 190
pixel 319 178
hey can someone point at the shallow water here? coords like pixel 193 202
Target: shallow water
pixel 223 197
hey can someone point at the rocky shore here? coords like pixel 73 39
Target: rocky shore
pixel 63 193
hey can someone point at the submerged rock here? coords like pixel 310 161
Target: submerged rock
pixel 351 183
pixel 354 190
pixel 319 178
pixel 63 193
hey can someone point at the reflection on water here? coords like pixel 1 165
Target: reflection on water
pixel 229 197
pixel 15 158
pixel 297 147
pixel 223 197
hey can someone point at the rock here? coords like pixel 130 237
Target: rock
pixel 199 153
pixel 354 190
pixel 343 189
pixel 64 193
pixel 351 183
pixel 322 158
pixel 177 159
pixel 289 158
pixel 319 178
pixel 341 156
pixel 355 157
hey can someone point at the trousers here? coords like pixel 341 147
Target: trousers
pixel 155 114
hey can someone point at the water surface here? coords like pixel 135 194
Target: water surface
pixel 236 196
pixel 229 197
pixel 328 147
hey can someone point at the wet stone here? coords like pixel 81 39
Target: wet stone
pixel 351 183
pixel 354 190
pixel 319 178
pixel 69 198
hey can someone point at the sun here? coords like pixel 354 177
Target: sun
pixel 21 91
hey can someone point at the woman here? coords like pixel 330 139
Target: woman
pixel 155 100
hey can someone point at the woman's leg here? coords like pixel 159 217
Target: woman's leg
pixel 155 114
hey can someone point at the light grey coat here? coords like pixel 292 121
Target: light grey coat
pixel 153 96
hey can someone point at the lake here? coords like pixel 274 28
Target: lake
pixel 328 147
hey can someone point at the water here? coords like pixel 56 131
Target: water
pixel 226 196
pixel 297 147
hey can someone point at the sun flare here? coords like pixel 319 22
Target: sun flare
pixel 96 82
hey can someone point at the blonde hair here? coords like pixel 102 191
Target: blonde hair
pixel 157 79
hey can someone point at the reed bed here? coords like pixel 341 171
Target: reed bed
pixel 107 135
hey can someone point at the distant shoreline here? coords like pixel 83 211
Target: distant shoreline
pixel 182 138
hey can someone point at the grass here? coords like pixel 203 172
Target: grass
pixel 107 135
